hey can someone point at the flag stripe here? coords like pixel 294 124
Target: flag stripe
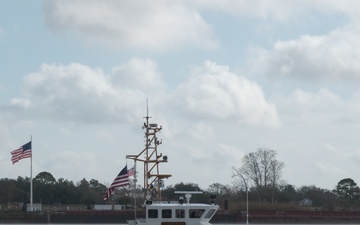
pixel 122 179
pixel 21 153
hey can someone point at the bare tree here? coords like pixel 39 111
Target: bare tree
pixel 262 170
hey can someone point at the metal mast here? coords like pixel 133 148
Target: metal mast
pixel 151 159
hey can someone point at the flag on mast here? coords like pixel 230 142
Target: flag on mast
pixel 21 153
pixel 122 179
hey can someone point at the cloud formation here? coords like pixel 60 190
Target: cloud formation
pixel 332 57
pixel 214 92
pixel 78 92
pixel 156 25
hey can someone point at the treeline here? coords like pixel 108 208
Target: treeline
pixel 258 177
pixel 47 190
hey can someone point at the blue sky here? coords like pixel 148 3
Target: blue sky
pixel 223 78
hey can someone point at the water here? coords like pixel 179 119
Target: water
pixel 213 224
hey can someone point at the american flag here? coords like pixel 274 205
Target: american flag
pixel 122 179
pixel 21 153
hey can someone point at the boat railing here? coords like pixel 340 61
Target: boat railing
pixel 165 202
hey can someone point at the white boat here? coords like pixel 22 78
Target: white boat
pixel 179 212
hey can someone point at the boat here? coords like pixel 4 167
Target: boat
pixel 158 212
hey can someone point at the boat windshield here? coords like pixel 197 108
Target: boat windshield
pixel 196 213
pixel 210 213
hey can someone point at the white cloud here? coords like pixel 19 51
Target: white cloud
pixel 78 92
pixel 333 57
pixel 280 10
pixel 25 103
pixel 140 24
pixel 323 99
pixel 277 10
pixel 137 73
pixel 214 91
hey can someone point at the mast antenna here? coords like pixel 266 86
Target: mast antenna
pixel 151 158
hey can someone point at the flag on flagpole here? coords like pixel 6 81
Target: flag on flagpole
pixel 122 179
pixel 21 153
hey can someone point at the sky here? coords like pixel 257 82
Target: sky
pixel 223 78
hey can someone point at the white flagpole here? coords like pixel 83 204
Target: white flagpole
pixel 31 182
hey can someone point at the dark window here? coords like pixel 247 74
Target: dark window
pixel 166 213
pixel 196 213
pixel 210 213
pixel 153 213
pixel 180 213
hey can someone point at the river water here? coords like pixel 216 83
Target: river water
pixel 213 224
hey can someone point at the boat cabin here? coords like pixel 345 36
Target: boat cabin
pixel 178 213
pixel 172 213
